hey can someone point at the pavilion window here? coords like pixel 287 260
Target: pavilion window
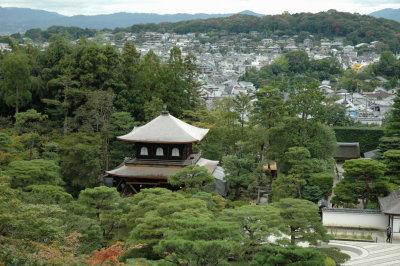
pixel 144 151
pixel 159 151
pixel 175 152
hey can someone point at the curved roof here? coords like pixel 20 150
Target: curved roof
pixel 157 171
pixel 138 171
pixel 391 203
pixel 165 129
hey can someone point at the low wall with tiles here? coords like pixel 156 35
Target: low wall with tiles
pixel 356 218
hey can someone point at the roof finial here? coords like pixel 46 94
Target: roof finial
pixel 165 112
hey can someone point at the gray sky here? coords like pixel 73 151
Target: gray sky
pixel 268 7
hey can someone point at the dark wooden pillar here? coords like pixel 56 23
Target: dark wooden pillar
pixel 391 228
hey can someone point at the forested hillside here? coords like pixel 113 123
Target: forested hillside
pixel 355 27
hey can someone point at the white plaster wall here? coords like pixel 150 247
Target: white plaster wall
pixel 357 220
pixel 396 228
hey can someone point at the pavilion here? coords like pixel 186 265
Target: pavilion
pixel 163 147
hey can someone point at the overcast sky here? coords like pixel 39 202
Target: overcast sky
pixel 267 7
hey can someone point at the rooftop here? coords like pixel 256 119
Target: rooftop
pixel 165 129
pixel 391 203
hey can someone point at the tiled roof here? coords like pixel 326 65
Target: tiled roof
pixel 165 129
pixel 391 203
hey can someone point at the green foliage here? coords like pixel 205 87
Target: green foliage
pixel 334 114
pixel 192 177
pixel 296 158
pixel 326 67
pixel 285 186
pixel 80 161
pixel 103 204
pixel 142 261
pixel 238 173
pixel 91 234
pixel 7 151
pixel 272 255
pixel 335 254
pixel 38 222
pixel 72 33
pixel 363 170
pixel 302 220
pixel 19 220
pixel 34 172
pixel 388 143
pixel 17 251
pixel 200 242
pixel 226 130
pixel 306 100
pixel 29 121
pixel 367 137
pixel 311 193
pixel 317 138
pixel 270 107
pixel 256 223
pixel 346 193
pixel 355 27
pixel 363 179
pixel 298 61
pixel 49 194
pixel 120 123
pixel 25 119
pixel 387 65
pixel 15 80
pixel 155 211
pixel 156 83
pixel 392 161
pixel 323 181
pixel 5 142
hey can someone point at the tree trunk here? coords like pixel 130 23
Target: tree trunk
pixel 292 240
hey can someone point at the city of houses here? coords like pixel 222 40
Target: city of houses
pixel 223 59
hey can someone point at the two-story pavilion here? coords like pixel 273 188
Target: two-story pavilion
pixel 163 147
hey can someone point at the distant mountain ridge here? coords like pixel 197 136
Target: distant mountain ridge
pixel 388 13
pixel 14 19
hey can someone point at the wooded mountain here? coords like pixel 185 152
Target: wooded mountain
pixel 14 20
pixel 355 28
pixel 388 13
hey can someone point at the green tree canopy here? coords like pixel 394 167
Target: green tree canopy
pixel 256 223
pixel 200 242
pixel 80 161
pixel 103 204
pixel 302 220
pixel 363 179
pixel 273 255
pixel 34 172
pixel 15 80
pixel 192 177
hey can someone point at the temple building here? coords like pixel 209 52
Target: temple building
pixel 390 206
pixel 163 147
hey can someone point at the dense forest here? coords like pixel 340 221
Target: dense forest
pixel 61 109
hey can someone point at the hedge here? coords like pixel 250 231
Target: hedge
pixel 368 137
